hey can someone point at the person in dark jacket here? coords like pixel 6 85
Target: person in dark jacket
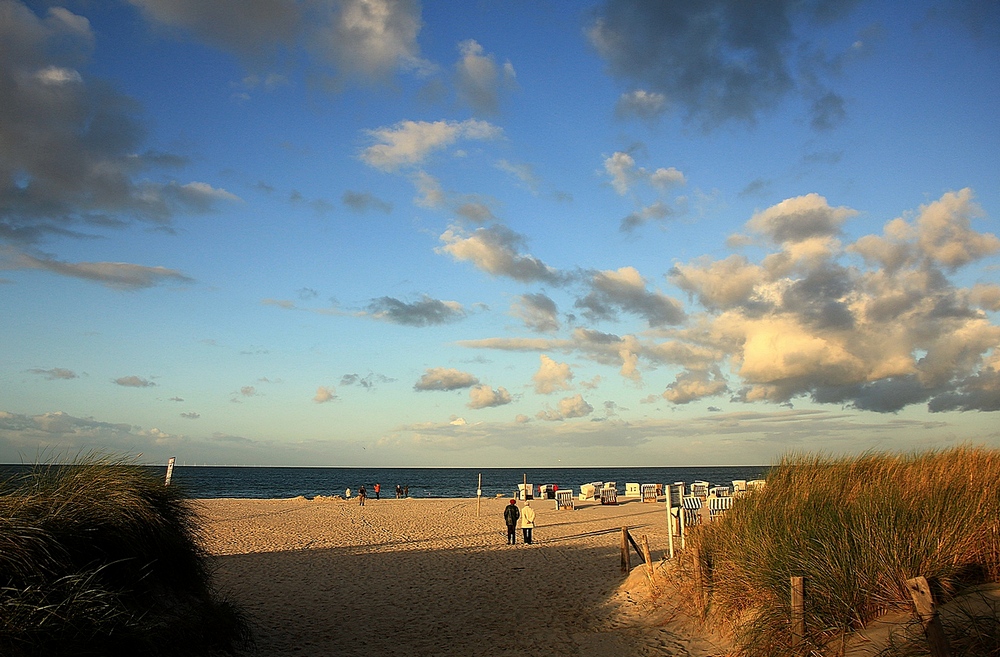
pixel 510 516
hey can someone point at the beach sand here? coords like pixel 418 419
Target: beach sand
pixel 418 577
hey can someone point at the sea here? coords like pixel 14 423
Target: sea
pixel 274 482
pixel 204 482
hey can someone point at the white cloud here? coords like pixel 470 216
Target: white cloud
pixel 552 376
pixel 325 394
pixel 567 408
pixel 408 143
pixel 800 218
pixel 442 378
pixel 480 82
pixel 495 251
pixel 483 396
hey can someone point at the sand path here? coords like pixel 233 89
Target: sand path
pixel 420 577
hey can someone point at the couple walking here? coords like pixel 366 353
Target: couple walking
pixel 527 516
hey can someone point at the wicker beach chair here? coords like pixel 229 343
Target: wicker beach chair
pixel 649 493
pixel 692 510
pixel 564 499
pixel 699 489
pixel 717 507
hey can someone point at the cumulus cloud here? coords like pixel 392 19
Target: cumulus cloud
pixel 443 378
pixel 625 290
pixel 690 386
pixel 55 373
pixel 362 202
pixel 483 396
pixel 552 376
pixel 720 61
pixel 537 311
pixel 425 312
pixel 478 79
pixel 134 382
pixel 624 173
pixel 409 143
pixel 567 408
pixel 325 394
pixel 799 219
pixel 495 250
pixel 640 104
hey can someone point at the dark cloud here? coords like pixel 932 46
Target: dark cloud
pixel 134 382
pixel 426 312
pixel 367 382
pixel 116 275
pixel 363 201
pixel 625 291
pixel 828 111
pixel 721 60
pixel 55 373
pixel 537 311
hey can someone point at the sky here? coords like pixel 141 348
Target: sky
pixel 497 233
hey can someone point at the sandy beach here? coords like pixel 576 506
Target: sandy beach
pixel 417 577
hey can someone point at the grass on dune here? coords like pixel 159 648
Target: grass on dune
pixel 100 558
pixel 856 529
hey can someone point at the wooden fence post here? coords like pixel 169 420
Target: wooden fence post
pixel 923 601
pixel 699 579
pixel 798 614
pixel 670 524
pixel 626 557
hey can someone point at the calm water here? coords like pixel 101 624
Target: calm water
pixel 270 482
pixel 205 482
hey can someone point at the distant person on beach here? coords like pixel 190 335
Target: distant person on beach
pixel 399 491
pixel 347 493
pixel 378 489
pixel 362 496
pixel 510 516
pixel 527 522
pixel 406 490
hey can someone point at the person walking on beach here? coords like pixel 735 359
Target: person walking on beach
pixel 399 491
pixel 362 495
pixel 527 522
pixel 378 489
pixel 406 490
pixel 510 516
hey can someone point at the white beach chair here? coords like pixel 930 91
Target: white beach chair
pixel 588 492
pixel 692 510
pixel 699 488
pixel 756 484
pixel 564 500
pixel 717 507
pixel 609 494
pixel 719 491
pixel 649 493
pixel 632 490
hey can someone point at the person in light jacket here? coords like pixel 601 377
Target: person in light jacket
pixel 527 522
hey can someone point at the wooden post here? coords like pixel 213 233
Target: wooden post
pixel 479 494
pixel 670 523
pixel 923 601
pixel 645 555
pixel 626 557
pixel 170 470
pixel 798 614
pixel 525 487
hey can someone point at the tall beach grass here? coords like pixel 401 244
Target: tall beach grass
pixel 856 529
pixel 100 558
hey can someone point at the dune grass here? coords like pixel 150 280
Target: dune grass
pixel 100 558
pixel 856 529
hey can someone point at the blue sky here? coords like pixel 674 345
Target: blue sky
pixel 362 232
